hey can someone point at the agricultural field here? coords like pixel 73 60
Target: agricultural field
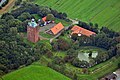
pixel 102 12
pixel 35 72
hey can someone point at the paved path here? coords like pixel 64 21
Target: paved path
pixel 73 23
pixel 48 26
pixel 55 37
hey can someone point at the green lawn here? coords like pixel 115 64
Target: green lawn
pixel 36 16
pixel 46 35
pixel 60 54
pixel 103 12
pixel 35 72
pixel 65 23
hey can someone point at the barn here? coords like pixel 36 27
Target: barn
pixel 81 31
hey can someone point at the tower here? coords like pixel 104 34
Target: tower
pixel 32 31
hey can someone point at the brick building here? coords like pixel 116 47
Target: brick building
pixel 32 31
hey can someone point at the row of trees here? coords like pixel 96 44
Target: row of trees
pixel 36 9
pixel 90 26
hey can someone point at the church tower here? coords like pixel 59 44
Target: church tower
pixel 32 31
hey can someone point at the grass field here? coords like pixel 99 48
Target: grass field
pixel 35 72
pixel 103 12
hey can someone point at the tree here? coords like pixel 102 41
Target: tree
pixel 49 54
pixel 74 37
pixel 75 77
pixel 13 22
pixel 54 12
pixel 91 62
pixel 71 52
pixel 50 17
pixel 64 15
pixel 8 17
pixel 85 70
pixel 13 30
pixel 91 24
pixel 55 46
pixel 44 11
pixel 24 16
pixel 58 60
pixel 62 42
pixel 29 61
pixel 1 78
pixel 96 25
pixel 43 47
pixel 118 65
pixel 18 2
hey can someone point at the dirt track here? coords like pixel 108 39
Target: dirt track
pixel 7 7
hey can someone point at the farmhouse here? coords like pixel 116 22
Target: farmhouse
pixel 81 31
pixel 32 31
pixel 56 29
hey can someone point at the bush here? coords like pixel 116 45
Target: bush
pixel 118 65
pixel 0 7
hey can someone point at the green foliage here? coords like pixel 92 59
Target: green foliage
pixel 43 48
pixel 50 17
pixel 24 16
pixel 58 45
pixel 118 65
pixel 18 2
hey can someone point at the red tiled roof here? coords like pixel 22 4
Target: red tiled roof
pixel 80 30
pixel 44 18
pixel 57 28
